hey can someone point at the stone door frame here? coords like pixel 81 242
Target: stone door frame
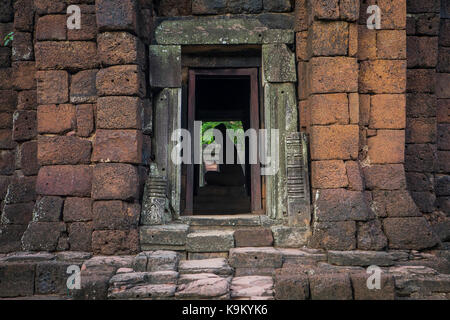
pixel 279 79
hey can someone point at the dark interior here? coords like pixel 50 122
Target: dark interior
pixel 223 98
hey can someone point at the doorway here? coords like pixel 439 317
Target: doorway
pixel 223 99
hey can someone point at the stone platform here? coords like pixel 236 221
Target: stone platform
pixel 249 273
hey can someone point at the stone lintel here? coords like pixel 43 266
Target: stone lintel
pixel 225 31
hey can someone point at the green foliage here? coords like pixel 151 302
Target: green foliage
pixel 8 38
pixel 231 125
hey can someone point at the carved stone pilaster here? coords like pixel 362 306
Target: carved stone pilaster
pixel 298 195
pixel 155 204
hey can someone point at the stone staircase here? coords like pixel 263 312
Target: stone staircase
pixel 249 273
pixel 201 237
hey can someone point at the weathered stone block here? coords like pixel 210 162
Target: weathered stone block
pixel 277 5
pixel 409 233
pixel 391 44
pixel 333 74
pixel 420 157
pixel 117 15
pixel 83 87
pixel 121 80
pixel 8 100
pixel 64 181
pixel 88 30
pixel 328 174
pixel 56 119
pixel 354 174
pixel 421 130
pixel 365 258
pixel 367 43
pixel 63 150
pixel 290 237
pixel 42 236
pixel 279 63
pixel 382 76
pixel 210 241
pixel 24 125
pixel 349 10
pixel 22 47
pixel 120 48
pixel 251 31
pixel 17 214
pixel 85 120
pixel 334 235
pixel 77 209
pixel 164 235
pixel 80 236
pixel 51 27
pixel 21 189
pixel 442 87
pixel 329 38
pixel 202 7
pixel 17 279
pixel 118 146
pixel 24 75
pixel 394 14
pixel 115 242
pixel 266 257
pixel 417 6
pixel 422 52
pixel 10 237
pixel 335 286
pixel 421 80
pixel 115 182
pixel 119 113
pixel 395 203
pixel 443 133
pixel 27 100
pixel 115 215
pixel 341 205
pixel 51 277
pixel 323 10
pixel 48 209
pixel 385 177
pixel 74 55
pixel 388 146
pixel 52 87
pixel 253 237
pixel 388 111
pixel 334 142
pixel 218 266
pixel 291 287
pixel 7 162
pixel 370 236
pixel 361 292
pixel 6 141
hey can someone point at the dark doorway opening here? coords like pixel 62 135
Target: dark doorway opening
pixel 223 98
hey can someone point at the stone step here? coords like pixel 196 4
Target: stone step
pixel 156 261
pixel 205 287
pixel 149 291
pixel 241 220
pixel 251 287
pixel 210 241
pixel 171 236
pixel 263 257
pixel 218 266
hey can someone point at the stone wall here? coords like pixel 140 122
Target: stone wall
pixel 91 109
pixel 427 111
pixel 79 116
pixel 352 100
pixel 18 127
